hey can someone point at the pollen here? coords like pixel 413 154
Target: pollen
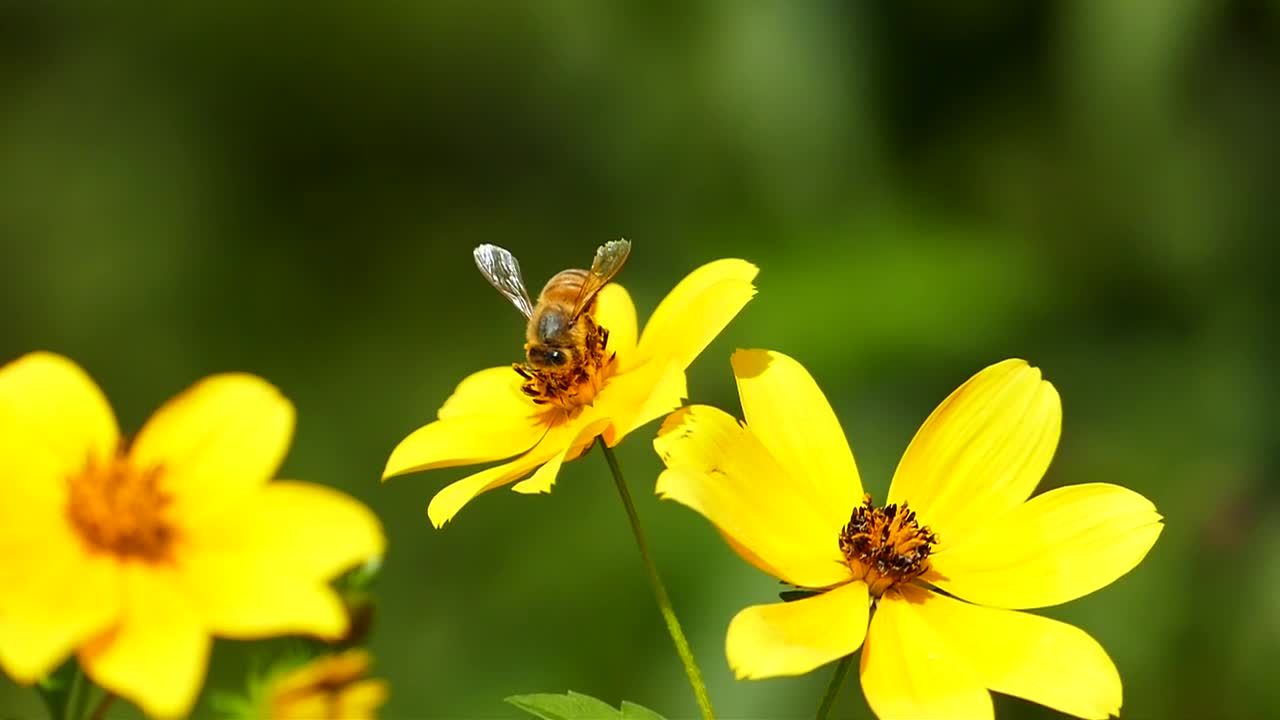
pixel 886 546
pixel 120 509
pixel 576 385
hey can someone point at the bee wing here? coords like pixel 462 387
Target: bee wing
pixel 609 260
pixel 502 271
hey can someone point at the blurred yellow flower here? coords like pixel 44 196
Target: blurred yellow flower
pixel 133 555
pixel 333 687
pixel 945 563
pixel 488 417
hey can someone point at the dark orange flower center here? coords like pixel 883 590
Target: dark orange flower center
pixel 120 509
pixel 577 379
pixel 885 546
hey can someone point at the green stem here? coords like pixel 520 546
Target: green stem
pixel 659 590
pixel 101 712
pixel 833 687
pixel 77 696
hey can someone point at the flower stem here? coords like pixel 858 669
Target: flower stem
pixel 101 712
pixel 77 695
pixel 833 687
pixel 659 590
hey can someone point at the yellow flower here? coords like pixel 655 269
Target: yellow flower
pixel 134 555
pixel 785 493
pixel 488 417
pixel 333 687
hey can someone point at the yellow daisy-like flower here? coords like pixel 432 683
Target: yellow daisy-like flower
pixel 949 560
pixel 132 555
pixel 334 687
pixel 488 417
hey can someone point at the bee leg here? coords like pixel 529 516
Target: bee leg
pixel 531 385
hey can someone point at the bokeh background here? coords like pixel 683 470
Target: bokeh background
pixel 927 187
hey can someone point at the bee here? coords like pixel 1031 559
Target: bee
pixel 564 347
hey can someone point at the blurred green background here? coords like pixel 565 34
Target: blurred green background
pixel 927 188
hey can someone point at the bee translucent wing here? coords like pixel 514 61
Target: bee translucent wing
pixel 502 271
pixel 609 260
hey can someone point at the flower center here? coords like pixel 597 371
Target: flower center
pixel 575 383
pixel 120 509
pixel 885 546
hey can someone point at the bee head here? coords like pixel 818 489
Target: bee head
pixel 551 357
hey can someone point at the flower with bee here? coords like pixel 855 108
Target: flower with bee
pixel 588 372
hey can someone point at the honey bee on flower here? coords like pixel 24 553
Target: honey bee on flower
pixel 565 349
pixel 588 373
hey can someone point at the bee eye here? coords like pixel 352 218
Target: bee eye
pixel 556 357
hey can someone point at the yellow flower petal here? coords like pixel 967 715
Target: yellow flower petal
pixel 718 468
pixel 463 440
pixel 248 602
pixel 616 313
pixel 910 672
pixel 1058 546
pixel 746 554
pixel 332 686
pixel 311 529
pixel 492 391
pixel 446 503
pixel 156 657
pixel 253 602
pixel 639 397
pixel 322 674
pixel 262 570
pixel 28 525
pixel 54 421
pixel 792 638
pixel 545 477
pixel 787 411
pixel 362 700
pixel 55 597
pixel 217 441
pixel 449 501
pixel 1034 658
pixel 308 707
pixel 982 451
pixel 696 310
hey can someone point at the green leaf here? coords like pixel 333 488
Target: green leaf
pixel 576 706
pixel 571 706
pixel 793 595
pixel 360 578
pixel 232 706
pixel 632 711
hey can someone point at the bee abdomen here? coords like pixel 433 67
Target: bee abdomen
pixel 564 286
